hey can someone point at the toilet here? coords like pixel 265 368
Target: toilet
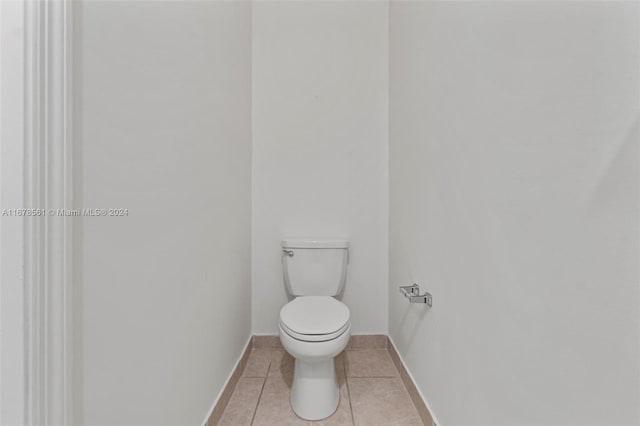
pixel 314 326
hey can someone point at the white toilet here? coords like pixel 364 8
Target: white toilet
pixel 314 327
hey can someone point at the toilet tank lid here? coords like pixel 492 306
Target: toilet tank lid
pixel 314 243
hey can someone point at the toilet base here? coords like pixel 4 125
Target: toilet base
pixel 315 394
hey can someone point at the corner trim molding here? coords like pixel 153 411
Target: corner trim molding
pixel 48 237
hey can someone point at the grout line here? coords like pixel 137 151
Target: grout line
pixel 268 368
pixel 261 390
pixel 346 381
pixel 255 410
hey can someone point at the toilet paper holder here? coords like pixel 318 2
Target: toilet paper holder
pixel 412 292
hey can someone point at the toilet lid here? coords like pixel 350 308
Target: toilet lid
pixel 314 315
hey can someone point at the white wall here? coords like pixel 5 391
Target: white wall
pixel 12 361
pixel 164 130
pixel 514 200
pixel 320 90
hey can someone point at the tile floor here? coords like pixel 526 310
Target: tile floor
pixel 372 392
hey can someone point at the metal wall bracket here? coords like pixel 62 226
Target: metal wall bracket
pixel 288 252
pixel 412 292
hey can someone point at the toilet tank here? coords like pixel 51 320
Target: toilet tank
pixel 315 267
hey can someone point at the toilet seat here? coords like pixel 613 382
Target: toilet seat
pixel 314 337
pixel 314 318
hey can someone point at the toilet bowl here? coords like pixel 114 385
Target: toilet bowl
pixel 314 329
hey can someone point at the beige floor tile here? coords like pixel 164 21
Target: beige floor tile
pixel 243 402
pixel 267 342
pixel 258 363
pixel 381 401
pixel 273 407
pixel 342 416
pixel 369 363
pixel 281 363
pixel 366 341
